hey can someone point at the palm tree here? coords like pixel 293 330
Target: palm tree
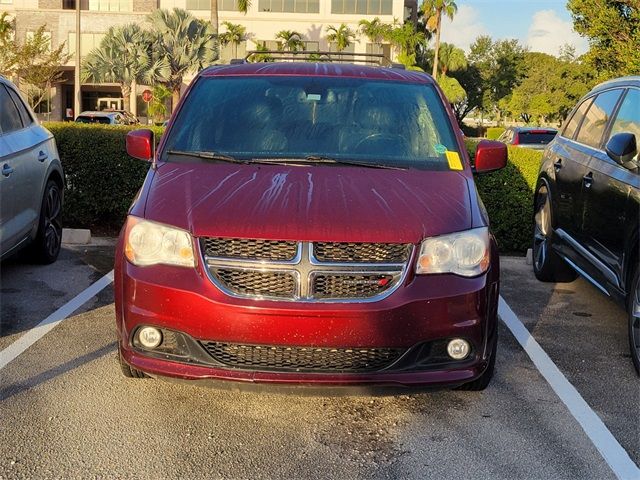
pixel 213 7
pixel 342 36
pixel 375 30
pixel 406 39
pixel 291 40
pixel 433 10
pixel 187 44
pixel 235 34
pixel 244 6
pixel 451 58
pixel 124 57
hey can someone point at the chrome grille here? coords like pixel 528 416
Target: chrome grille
pixel 361 252
pixel 310 359
pixel 249 248
pixel 350 286
pixel 258 284
pixel 305 271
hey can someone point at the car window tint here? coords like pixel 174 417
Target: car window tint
pixel 628 116
pixel 572 125
pixel 535 137
pixel 22 109
pixel 87 119
pixel 597 117
pixel 9 116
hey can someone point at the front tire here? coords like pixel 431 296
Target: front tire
pixel 484 380
pixel 634 321
pixel 548 266
pixel 128 371
pixel 46 247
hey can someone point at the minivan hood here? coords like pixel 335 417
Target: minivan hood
pixel 309 203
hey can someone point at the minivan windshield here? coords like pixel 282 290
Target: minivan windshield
pixel 314 120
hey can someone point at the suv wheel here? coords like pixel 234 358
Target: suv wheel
pixel 46 247
pixel 548 266
pixel 634 320
pixel 484 380
pixel 128 371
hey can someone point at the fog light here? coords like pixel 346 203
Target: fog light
pixel 150 337
pixel 458 349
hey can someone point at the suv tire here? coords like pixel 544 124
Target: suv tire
pixel 128 371
pixel 483 381
pixel 548 266
pixel 633 308
pixel 47 244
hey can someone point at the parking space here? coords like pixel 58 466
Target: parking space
pixel 67 412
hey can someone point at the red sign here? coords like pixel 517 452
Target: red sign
pixel 147 96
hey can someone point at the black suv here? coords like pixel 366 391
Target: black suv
pixel 588 198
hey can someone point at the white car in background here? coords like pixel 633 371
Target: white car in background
pixel 31 181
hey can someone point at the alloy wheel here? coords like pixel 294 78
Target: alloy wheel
pixel 542 228
pixel 52 221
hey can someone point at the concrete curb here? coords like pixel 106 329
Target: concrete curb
pixel 76 236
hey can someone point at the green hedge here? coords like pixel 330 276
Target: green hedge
pixel 494 132
pixel 508 196
pixel 101 179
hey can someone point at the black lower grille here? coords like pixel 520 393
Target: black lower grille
pixel 350 286
pixel 302 359
pixel 260 284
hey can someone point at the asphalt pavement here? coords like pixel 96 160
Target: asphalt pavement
pixel 67 412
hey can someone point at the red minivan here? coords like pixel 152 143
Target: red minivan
pixel 310 224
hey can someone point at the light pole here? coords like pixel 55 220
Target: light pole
pixel 77 91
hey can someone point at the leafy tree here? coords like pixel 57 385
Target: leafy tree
pixel 342 36
pixel 471 81
pixel 261 57
pixel 433 11
pixel 613 30
pixel 187 44
pixel 7 44
pixel 235 35
pixel 451 58
pixel 291 40
pixel 499 65
pixel 452 89
pixel 406 40
pixel 375 30
pixel 124 57
pixel 157 108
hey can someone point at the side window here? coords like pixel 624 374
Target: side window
pixel 628 117
pixel 9 116
pixel 597 117
pixel 22 110
pixel 572 124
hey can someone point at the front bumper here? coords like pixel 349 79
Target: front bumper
pixel 424 309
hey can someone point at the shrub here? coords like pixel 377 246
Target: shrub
pixel 494 132
pixel 473 131
pixel 101 179
pixel 508 197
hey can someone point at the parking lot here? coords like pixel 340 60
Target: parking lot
pixel 67 412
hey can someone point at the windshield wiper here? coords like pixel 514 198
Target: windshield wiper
pixel 209 156
pixel 312 159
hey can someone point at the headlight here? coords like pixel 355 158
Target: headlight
pixel 463 253
pixel 150 243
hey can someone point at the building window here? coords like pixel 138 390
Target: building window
pixel 71 4
pixel 231 50
pixel 88 41
pixel 111 5
pixel 362 7
pixel 198 4
pixel 228 5
pixel 289 6
pixel 312 46
pixel 350 49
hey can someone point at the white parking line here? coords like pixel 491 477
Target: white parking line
pixel 616 457
pixel 40 330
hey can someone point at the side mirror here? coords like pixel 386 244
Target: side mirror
pixel 140 144
pixel 490 155
pixel 622 149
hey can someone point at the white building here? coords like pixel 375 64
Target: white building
pixel 263 21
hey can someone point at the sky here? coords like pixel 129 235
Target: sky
pixel 542 25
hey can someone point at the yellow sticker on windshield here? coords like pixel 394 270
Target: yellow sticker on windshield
pixel 454 160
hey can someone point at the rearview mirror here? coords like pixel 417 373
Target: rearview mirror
pixel 140 144
pixel 490 155
pixel 622 149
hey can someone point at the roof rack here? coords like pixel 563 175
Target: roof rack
pixel 316 56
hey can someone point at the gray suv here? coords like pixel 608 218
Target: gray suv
pixel 31 181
